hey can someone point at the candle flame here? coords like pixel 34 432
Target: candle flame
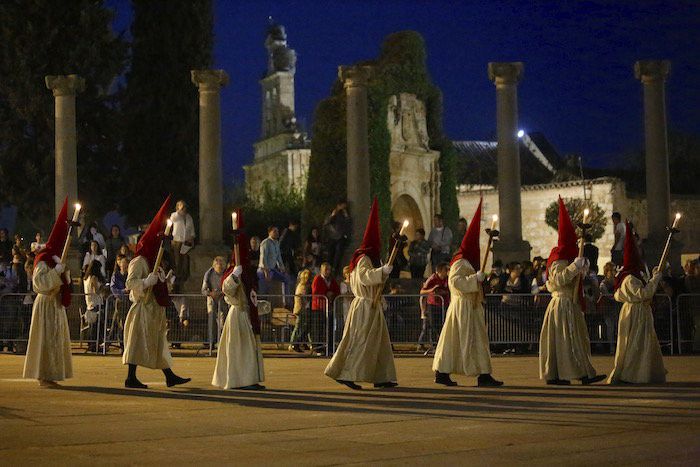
pixel 586 212
pixel 678 215
pixel 234 215
pixel 405 223
pixel 495 217
pixel 77 206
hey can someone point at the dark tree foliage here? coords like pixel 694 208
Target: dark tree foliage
pixel 160 103
pixel 575 206
pixel 400 67
pixel 46 37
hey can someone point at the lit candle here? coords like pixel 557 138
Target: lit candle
pixel 494 219
pixel 403 228
pixel 76 213
pixel 168 227
pixel 675 221
pixel 234 220
pixel 586 212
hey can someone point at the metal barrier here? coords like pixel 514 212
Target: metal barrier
pixel 409 318
pixel 688 322
pixel 279 325
pixel 16 316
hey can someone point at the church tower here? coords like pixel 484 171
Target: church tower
pixel 282 154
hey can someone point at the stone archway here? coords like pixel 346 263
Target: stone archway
pixel 405 207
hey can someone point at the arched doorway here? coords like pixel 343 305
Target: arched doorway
pixel 405 207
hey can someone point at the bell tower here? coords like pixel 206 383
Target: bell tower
pixel 278 84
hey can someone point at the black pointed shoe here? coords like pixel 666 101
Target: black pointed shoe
pixel 388 384
pixel 175 380
pixel 134 384
pixel 586 380
pixel 444 379
pixel 559 382
pixel 349 384
pixel 487 381
pixel 253 387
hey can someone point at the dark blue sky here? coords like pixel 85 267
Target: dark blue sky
pixel 578 87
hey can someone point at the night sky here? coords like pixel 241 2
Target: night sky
pixel 578 87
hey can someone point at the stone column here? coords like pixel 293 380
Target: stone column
pixel 510 247
pixel 211 203
pixel 64 88
pixel 355 80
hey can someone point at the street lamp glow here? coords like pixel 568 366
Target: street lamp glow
pixel 521 133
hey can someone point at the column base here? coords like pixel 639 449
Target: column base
pixel 201 258
pixel 508 252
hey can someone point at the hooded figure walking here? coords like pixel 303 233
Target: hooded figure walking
pixel 364 353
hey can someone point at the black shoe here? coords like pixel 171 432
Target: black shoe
pixel 134 384
pixel 253 387
pixel 174 380
pixel 388 384
pixel 350 384
pixel 487 381
pixel 586 380
pixel 444 378
pixel 559 382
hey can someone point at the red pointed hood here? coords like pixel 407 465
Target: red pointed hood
pixel 371 242
pixel 150 240
pixel 469 249
pixel 566 245
pixel 57 238
pixel 632 262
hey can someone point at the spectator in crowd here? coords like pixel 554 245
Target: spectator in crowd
pixel 271 266
pixel 618 244
pixel 312 247
pixel 19 251
pixel 302 312
pixel 590 251
pixel 394 304
pixel 5 247
pixel 418 251
pixel 310 264
pixel 440 239
pixel 527 274
pixel 346 297
pixel 113 243
pixel 126 252
pixel 459 234
pixel 37 244
pixel 93 280
pixel 400 260
pixel 691 279
pixel 591 288
pixel 438 292
pixel 19 246
pixel 182 242
pixel 514 284
pixel 24 317
pixel 117 284
pixel 96 236
pixel 337 229
pixel 254 251
pixel 216 306
pixel 95 254
pixel 539 280
pixel 607 285
pixel 324 285
pixel 290 247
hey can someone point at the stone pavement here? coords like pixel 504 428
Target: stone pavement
pixel 307 419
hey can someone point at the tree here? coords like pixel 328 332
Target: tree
pixel 160 102
pixel 45 37
pixel 575 206
pixel 400 67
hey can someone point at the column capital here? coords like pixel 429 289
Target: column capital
pixel 504 73
pixel 355 76
pixel 652 70
pixel 209 80
pixel 65 85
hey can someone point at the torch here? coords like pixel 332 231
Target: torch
pixel 671 230
pixel 492 233
pixel 236 249
pixel 71 224
pixel 584 225
pixel 398 240
pixel 161 250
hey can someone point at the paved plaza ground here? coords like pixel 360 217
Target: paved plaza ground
pixel 307 419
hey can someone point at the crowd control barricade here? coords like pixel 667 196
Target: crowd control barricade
pixel 308 329
pixel 409 318
pixel 16 316
pixel 688 323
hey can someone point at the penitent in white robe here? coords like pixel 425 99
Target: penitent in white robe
pixel 239 362
pixel 638 357
pixel 463 347
pixel 565 349
pixel 364 353
pixel 48 351
pixel 145 328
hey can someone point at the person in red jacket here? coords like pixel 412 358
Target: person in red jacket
pixel 324 284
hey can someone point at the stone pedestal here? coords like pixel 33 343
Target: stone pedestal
pixel 355 80
pixel 511 246
pixel 64 88
pixel 211 204
pixel 653 74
